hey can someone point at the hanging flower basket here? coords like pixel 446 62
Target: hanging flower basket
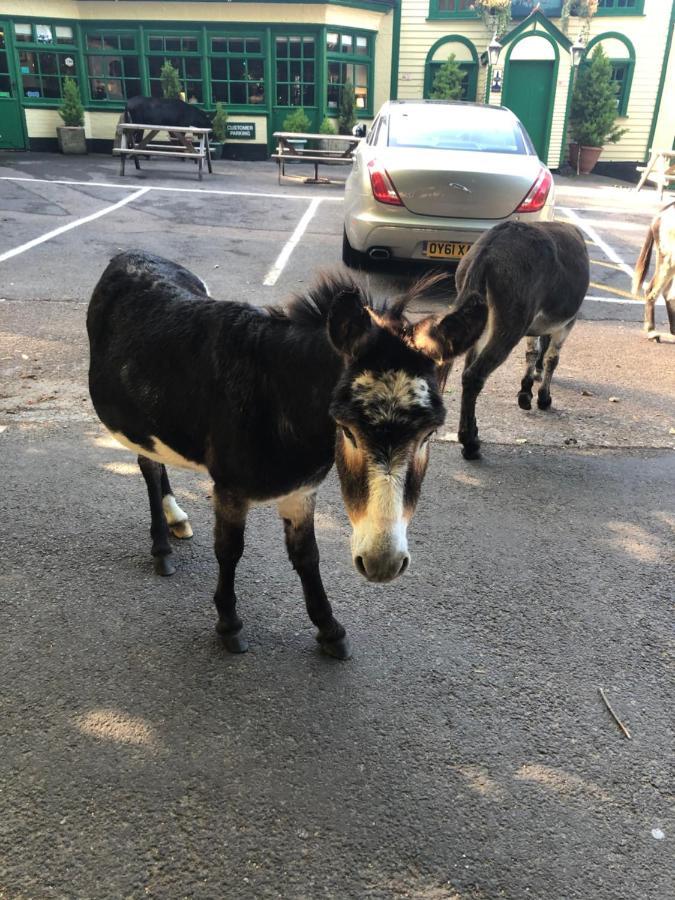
pixel 495 13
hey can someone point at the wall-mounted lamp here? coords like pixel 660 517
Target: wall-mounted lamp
pixel 494 49
pixel 577 50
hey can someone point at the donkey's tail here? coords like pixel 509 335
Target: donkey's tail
pixel 642 263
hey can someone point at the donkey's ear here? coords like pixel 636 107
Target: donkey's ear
pixel 452 335
pixel 348 322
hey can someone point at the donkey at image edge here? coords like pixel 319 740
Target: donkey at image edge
pixel 518 280
pixel 265 400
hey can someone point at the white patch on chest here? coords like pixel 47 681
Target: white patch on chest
pixel 160 453
pixel 387 394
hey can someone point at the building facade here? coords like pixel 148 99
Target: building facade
pixel 262 60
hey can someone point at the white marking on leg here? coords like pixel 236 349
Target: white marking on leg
pixel 297 505
pixel 176 518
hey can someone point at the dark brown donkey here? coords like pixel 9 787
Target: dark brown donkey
pixel 518 280
pixel 265 400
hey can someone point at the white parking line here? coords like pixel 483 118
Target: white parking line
pixel 176 190
pixel 609 252
pixel 50 234
pixel 282 259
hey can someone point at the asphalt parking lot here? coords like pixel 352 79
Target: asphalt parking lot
pixel 464 753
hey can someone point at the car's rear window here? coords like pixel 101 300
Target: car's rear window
pixel 455 128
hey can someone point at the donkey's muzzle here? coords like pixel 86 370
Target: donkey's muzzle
pixel 382 567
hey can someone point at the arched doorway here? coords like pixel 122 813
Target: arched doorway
pixel 530 75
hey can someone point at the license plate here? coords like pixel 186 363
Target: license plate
pixel 445 249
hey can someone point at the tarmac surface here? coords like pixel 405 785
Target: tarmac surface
pixel 464 753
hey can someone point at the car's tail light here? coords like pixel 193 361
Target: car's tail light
pixel 381 183
pixel 536 196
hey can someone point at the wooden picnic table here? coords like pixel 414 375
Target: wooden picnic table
pixel 660 170
pixel 129 144
pixel 288 151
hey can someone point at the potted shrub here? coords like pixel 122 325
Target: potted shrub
pixel 327 127
pixel 593 112
pixel 347 109
pixel 219 131
pixel 70 135
pixel 448 81
pixel 297 121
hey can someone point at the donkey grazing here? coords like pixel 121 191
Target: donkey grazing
pixel 661 235
pixel 518 280
pixel 265 400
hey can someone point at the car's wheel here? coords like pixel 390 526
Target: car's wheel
pixel 351 257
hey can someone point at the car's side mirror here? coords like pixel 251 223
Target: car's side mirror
pixel 360 130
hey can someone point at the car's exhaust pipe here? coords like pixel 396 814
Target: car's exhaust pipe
pixel 379 253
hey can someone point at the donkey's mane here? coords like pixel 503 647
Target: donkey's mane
pixel 312 309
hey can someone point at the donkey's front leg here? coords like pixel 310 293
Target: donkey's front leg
pixel 531 359
pixel 229 544
pixel 297 512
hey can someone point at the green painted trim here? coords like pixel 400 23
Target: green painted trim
pixel 611 34
pixel 570 91
pixel 554 79
pixel 539 18
pixel 456 39
pixel 662 81
pixel 15 80
pixel 637 10
pixel 395 50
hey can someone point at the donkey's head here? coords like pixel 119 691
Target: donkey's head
pixel 387 405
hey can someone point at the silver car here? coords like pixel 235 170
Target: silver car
pixel 433 175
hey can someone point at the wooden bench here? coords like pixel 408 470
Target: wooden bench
pixel 127 144
pixel 660 170
pixel 288 152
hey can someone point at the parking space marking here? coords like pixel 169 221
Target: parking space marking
pixel 281 260
pixel 177 190
pixel 611 290
pixel 609 252
pixel 51 234
pixel 606 265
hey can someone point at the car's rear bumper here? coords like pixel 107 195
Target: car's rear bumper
pixel 404 235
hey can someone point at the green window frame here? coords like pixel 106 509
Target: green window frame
pixel 237 68
pixel 47 53
pixel 349 57
pixel 620 8
pixel 452 9
pixel 622 69
pixel 469 68
pixel 184 52
pixel 113 65
pixel 296 69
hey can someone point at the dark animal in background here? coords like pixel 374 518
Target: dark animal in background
pixel 265 400
pixel 661 235
pixel 518 280
pixel 165 111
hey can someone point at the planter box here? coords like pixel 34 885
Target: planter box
pixel 216 148
pixel 71 139
pixel 584 158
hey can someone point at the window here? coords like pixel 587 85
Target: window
pixel 349 59
pixel 451 9
pixel 621 76
pixel 469 79
pixel 237 69
pixel 44 34
pixel 112 65
pixel 183 53
pixel 295 62
pixel 620 7
pixel 44 61
pixel 621 54
pixel 466 57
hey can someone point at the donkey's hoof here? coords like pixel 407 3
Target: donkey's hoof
pixel 234 642
pixel 524 400
pixel 164 566
pixel 338 649
pixel 471 451
pixel 544 401
pixel 181 530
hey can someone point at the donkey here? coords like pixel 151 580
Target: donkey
pixel 265 400
pixel 661 235
pixel 518 280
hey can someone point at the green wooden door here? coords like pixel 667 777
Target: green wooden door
pixel 295 79
pixel 528 93
pixel 12 131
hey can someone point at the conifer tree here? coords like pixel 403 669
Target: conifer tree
pixel 347 116
pixel 594 106
pixel 448 81
pixel 71 111
pixel 169 80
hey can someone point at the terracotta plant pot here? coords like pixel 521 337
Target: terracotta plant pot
pixel 71 139
pixel 583 159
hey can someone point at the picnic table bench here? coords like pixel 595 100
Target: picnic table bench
pixel 660 170
pixel 288 152
pixel 128 144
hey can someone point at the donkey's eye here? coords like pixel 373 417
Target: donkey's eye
pixel 347 433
